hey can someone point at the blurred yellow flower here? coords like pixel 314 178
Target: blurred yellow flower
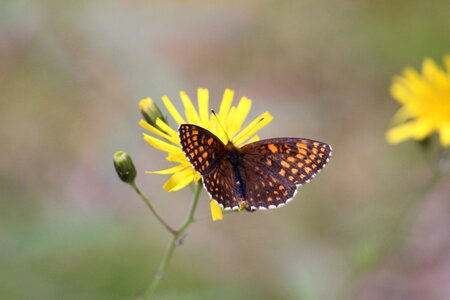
pixel 230 117
pixel 425 100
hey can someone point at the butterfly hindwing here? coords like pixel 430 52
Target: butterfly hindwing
pixel 220 186
pixel 264 187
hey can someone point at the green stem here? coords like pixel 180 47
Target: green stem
pixel 190 217
pixel 409 210
pixel 149 205
pixel 174 242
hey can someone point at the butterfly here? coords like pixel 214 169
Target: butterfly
pixel 261 175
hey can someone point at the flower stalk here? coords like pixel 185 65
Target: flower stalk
pixel 175 241
pixel 150 206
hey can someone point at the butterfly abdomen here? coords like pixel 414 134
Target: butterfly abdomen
pixel 235 156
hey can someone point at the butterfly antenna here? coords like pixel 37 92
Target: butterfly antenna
pixel 220 125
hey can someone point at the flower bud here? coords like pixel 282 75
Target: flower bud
pixel 151 112
pixel 124 167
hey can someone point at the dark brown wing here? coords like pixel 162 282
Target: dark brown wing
pixel 275 168
pixel 220 186
pixel 208 156
pixel 203 149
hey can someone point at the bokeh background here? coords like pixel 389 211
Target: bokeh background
pixel 71 75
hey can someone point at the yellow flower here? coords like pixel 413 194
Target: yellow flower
pixel 425 100
pixel 230 117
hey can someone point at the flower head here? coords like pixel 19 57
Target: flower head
pixel 425 100
pixel 165 138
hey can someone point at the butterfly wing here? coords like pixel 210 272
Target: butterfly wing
pixel 275 168
pixel 208 156
pixel 202 148
pixel 221 187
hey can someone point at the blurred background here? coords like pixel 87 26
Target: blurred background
pixel 71 76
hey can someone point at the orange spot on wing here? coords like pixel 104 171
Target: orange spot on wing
pixel 284 164
pixel 301 145
pixel 272 148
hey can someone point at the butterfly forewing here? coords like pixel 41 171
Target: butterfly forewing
pixel 203 149
pixel 294 159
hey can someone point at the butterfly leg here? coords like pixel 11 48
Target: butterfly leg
pixel 244 205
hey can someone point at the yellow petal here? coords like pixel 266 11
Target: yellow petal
pixel 400 133
pixel 403 114
pixel 216 211
pixel 444 135
pixel 179 180
pixel 172 170
pixel 447 63
pixel 230 117
pixel 402 93
pixel 253 139
pixel 160 145
pixel 225 105
pixel 242 111
pixel 258 123
pixel 191 113
pixel 156 131
pixel 172 110
pixel 429 68
pixel 203 104
pixel 174 134
pixel 177 156
pixel 422 129
pixel 417 130
pixel 434 73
